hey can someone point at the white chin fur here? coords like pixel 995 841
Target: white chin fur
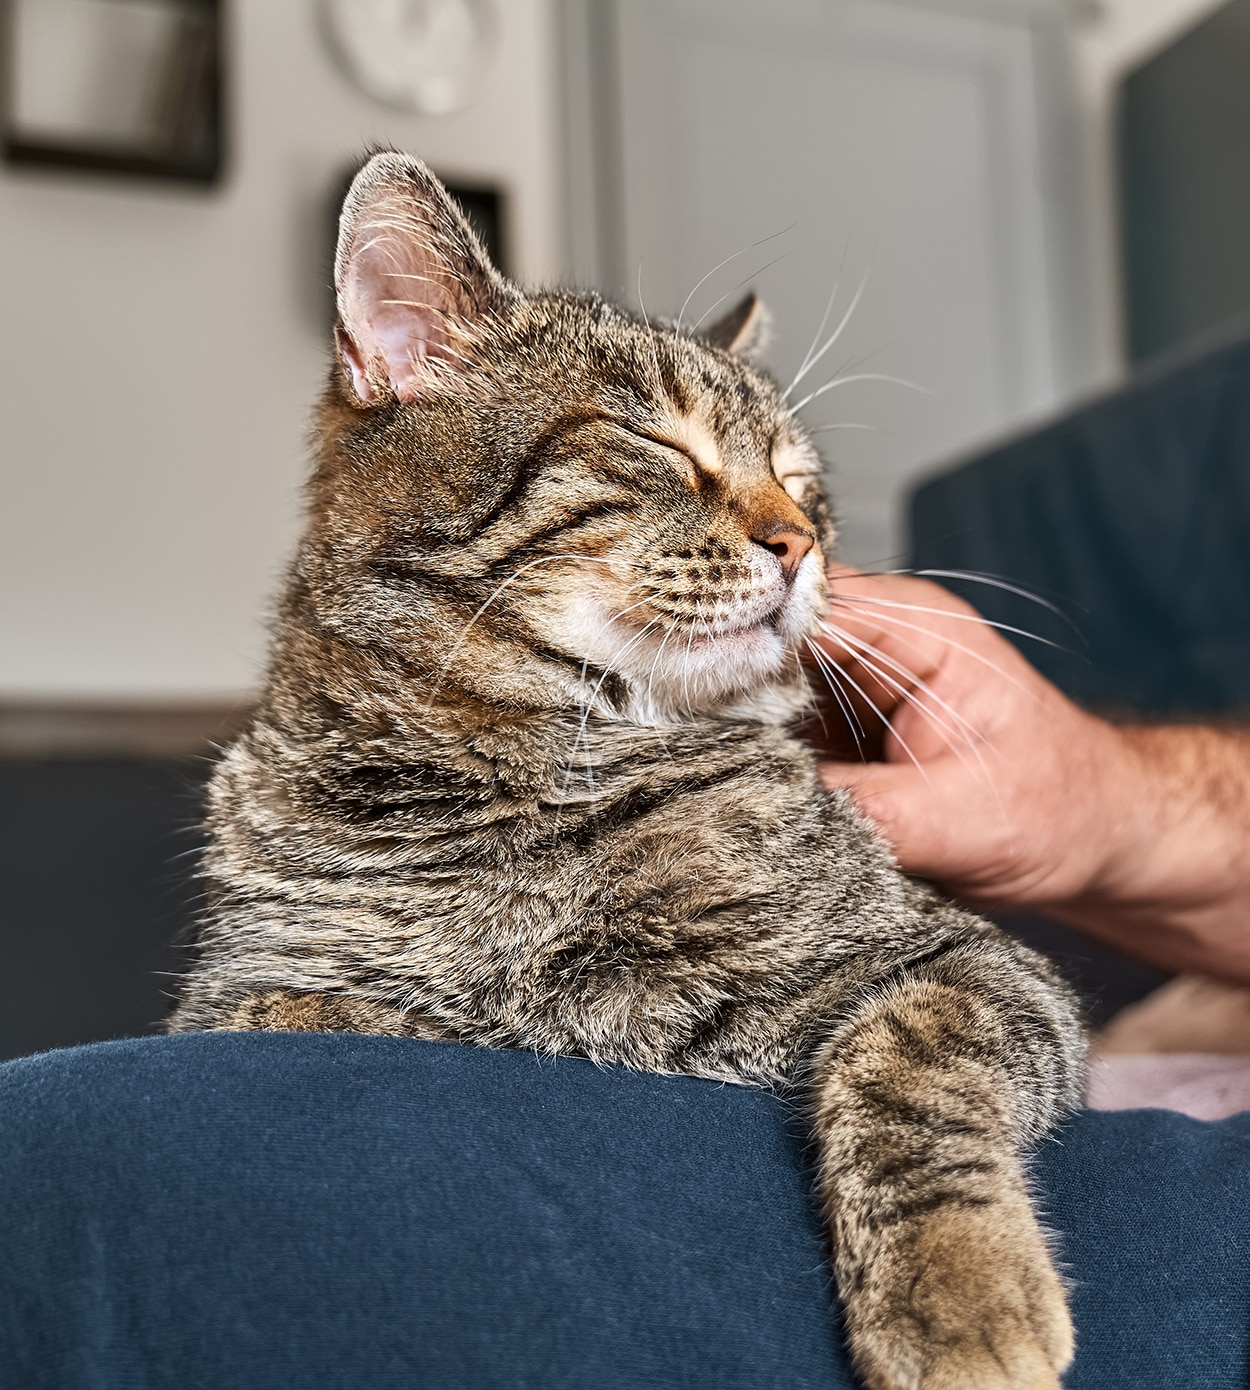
pixel 676 673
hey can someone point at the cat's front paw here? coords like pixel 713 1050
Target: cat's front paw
pixel 971 1301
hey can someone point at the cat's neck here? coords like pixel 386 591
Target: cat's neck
pixel 574 751
pixel 531 729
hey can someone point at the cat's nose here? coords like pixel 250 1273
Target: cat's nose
pixel 788 546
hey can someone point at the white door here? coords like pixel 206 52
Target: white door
pixel 898 152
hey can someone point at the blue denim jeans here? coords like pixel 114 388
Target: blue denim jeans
pixel 232 1211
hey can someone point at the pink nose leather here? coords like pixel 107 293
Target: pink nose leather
pixel 788 546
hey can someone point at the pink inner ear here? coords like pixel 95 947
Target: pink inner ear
pixel 407 338
pixel 398 304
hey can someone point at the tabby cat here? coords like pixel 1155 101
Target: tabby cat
pixel 524 775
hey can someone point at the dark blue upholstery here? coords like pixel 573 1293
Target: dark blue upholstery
pixel 288 1211
pixel 1133 514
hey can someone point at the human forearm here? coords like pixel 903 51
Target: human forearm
pixel 1173 884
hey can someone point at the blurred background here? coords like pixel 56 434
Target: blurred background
pixel 1022 201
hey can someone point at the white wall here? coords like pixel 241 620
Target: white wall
pixel 919 148
pixel 161 348
pixel 1109 38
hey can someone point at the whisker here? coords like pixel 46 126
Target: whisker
pixel 511 579
pixel 868 656
pixel 860 376
pixel 995 581
pixel 943 729
pixel 655 352
pixel 876 709
pixel 972 743
pixel 820 327
pixel 762 241
pixel 957 646
pixel 614 563
pixel 824 318
pixel 753 275
pixel 639 604
pixel 865 656
pixel 589 705
pixel 685 670
pixel 837 333
pixel 620 651
pixel 568 766
pixel 960 617
pixel 668 632
pixel 793 654
pixel 829 671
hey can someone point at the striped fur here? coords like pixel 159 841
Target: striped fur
pixel 523 775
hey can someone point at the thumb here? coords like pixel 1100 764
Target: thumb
pixel 901 802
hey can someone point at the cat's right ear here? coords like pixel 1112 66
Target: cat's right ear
pixel 412 281
pixel 745 330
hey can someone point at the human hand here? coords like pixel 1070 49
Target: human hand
pixel 989 779
pixel 991 782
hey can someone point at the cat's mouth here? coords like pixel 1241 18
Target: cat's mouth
pixel 770 622
pixel 681 663
pixel 782 619
pixel 680 653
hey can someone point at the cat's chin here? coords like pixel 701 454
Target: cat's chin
pixel 671 675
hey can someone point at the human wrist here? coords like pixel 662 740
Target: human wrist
pixel 1127 813
pixel 1187 796
pixel 1091 824
pixel 1172 878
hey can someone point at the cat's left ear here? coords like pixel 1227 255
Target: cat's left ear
pixel 745 330
pixel 412 280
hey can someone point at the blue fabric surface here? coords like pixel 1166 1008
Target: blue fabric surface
pixel 339 1211
pixel 1133 515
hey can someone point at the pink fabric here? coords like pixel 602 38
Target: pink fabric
pixel 1204 1085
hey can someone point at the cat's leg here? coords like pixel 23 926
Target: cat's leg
pixel 286 1011
pixel 923 1102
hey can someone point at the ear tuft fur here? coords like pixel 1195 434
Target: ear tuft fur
pixel 412 281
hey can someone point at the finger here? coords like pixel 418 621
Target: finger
pixel 883 664
pixel 930 642
pixel 886 645
pixel 906 810
pixel 905 714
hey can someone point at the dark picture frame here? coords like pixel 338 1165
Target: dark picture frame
pixel 165 59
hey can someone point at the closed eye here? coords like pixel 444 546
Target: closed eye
pixel 794 470
pixel 798 487
pixel 670 446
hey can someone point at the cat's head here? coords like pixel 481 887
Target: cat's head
pixel 533 497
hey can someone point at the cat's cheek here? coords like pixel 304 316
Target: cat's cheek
pixel 669 674
pixel 584 625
